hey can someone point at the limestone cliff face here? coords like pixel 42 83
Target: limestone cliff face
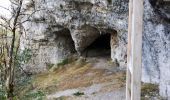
pixel 81 21
pixel 156 44
pixel 66 27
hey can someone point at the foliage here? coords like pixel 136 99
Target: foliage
pixel 49 65
pixel 149 89
pixel 11 45
pixel 63 62
pixel 21 82
pixel 2 94
pixel 78 93
pixel 21 59
pixel 150 92
pixel 67 61
pixel 34 95
pixel 24 56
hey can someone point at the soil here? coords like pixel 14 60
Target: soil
pixel 97 79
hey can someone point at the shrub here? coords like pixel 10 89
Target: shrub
pixel 78 93
pixel 149 89
pixel 63 62
pixel 49 65
pixel 2 94
pixel 35 95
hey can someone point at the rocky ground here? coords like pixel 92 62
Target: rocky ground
pixel 95 78
pixel 105 82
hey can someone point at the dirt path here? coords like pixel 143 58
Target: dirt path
pixel 107 82
pixel 94 92
pixel 83 79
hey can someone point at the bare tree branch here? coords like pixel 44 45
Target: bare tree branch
pixel 6 9
pixel 28 18
pixel 5 26
pixel 14 23
pixel 5 21
pixel 14 3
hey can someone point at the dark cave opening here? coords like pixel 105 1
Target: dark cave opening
pixel 100 47
pixel 64 40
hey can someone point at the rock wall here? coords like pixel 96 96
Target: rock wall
pixel 85 20
pixel 62 27
pixel 156 43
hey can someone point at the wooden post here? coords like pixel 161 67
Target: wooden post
pixel 134 52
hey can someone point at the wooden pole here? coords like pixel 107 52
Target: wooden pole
pixel 134 53
pixel 128 73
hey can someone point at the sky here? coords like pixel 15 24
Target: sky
pixel 6 4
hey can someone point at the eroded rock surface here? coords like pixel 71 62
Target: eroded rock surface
pixel 63 26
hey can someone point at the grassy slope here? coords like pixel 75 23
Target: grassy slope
pixel 79 74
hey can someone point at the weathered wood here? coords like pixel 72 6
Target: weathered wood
pixel 133 85
pixel 128 73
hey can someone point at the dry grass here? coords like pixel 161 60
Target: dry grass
pixel 83 74
pixel 149 89
pixel 74 75
pixel 52 81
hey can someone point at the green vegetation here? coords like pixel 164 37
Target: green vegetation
pixel 78 93
pixel 67 61
pixel 20 82
pixel 10 38
pixel 34 95
pixel 2 94
pixel 63 62
pixel 59 65
pixel 25 55
pixel 50 82
pixel 149 89
pixel 49 66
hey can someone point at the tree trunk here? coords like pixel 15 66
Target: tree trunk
pixel 10 70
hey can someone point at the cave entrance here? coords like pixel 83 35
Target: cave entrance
pixel 101 47
pixel 65 43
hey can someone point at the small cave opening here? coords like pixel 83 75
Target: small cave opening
pixel 101 47
pixel 64 40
